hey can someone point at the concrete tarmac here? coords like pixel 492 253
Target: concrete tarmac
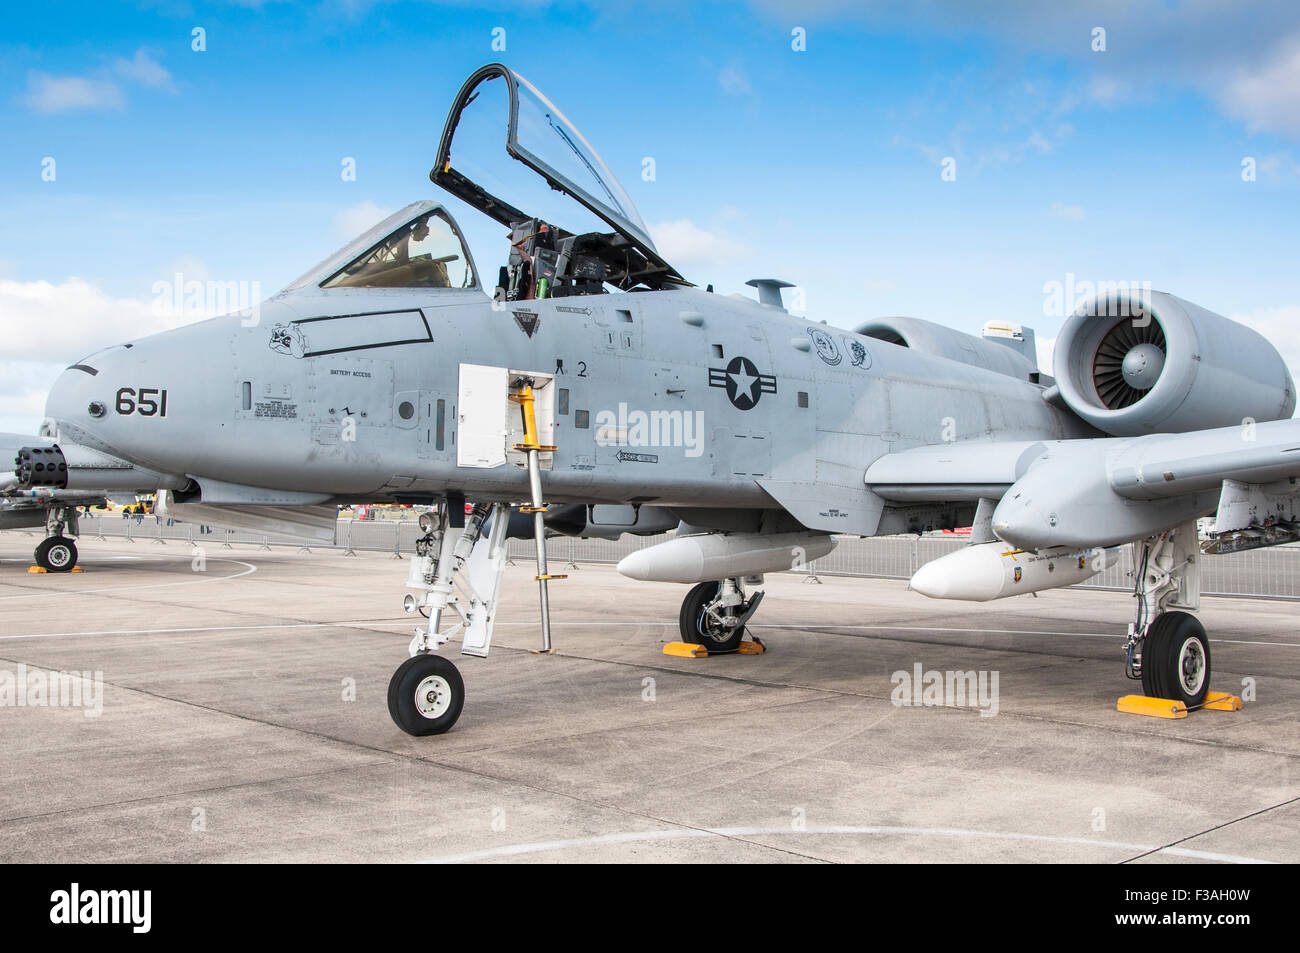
pixel 244 718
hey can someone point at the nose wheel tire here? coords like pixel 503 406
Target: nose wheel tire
pixel 1176 659
pixel 426 695
pixel 699 628
pixel 56 554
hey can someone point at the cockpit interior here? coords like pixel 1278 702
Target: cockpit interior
pixel 424 253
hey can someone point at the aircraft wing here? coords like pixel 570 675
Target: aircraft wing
pixel 952 472
pixel 1165 465
pixel 1107 490
pixel 1139 468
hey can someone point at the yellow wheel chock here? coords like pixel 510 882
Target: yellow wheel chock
pixel 686 650
pixel 1169 708
pixel 692 650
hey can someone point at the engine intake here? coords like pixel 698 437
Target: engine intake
pixel 1148 362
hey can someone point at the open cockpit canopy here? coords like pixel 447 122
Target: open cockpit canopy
pixel 555 257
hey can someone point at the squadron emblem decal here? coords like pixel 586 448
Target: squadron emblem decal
pixel 825 346
pixel 858 353
pixel 744 384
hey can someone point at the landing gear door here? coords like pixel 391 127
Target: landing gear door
pixel 481 424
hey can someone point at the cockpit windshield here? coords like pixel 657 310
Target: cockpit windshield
pixel 549 139
pixel 558 247
pixel 423 253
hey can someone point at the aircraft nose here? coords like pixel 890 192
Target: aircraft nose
pixel 75 403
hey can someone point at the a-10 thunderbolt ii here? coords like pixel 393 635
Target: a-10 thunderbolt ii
pixel 589 377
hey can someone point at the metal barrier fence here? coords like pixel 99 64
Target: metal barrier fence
pixel 1273 572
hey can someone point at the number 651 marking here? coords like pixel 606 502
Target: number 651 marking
pixel 149 402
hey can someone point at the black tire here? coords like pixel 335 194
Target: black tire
pixel 1176 659
pixel 56 554
pixel 697 630
pixel 408 680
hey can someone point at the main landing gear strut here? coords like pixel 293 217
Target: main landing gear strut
pixel 714 614
pixel 1169 651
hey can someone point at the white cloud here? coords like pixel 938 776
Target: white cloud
pixel 355 219
pixel 24 386
pixel 48 326
pixel 189 269
pixel 1106 90
pixel 685 245
pixel 1281 326
pixel 734 81
pixel 1267 97
pixel 49 322
pixel 931 153
pixel 1037 141
pixel 1071 213
pixel 145 70
pixel 1243 56
pixel 101 90
pixel 1274 166
pixel 53 94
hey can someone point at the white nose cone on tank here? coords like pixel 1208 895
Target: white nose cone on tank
pixel 988 571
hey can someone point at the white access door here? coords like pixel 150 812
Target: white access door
pixel 481 425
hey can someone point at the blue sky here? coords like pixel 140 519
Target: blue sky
pixel 821 166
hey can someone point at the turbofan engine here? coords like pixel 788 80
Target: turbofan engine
pixel 1148 362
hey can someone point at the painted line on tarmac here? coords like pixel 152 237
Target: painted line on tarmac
pixel 250 568
pixel 377 622
pixel 211 628
pixel 516 850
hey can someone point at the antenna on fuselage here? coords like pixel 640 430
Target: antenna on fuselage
pixel 769 291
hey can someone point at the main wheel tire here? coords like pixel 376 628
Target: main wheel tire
pixel 56 554
pixel 1176 659
pixel 426 695
pixel 698 629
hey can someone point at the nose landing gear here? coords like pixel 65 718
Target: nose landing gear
pixel 457 574
pixel 426 695
pixel 56 554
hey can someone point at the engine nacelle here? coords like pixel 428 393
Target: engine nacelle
pixel 1142 362
pixel 930 338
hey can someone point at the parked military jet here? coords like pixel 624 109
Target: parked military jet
pixel 596 376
